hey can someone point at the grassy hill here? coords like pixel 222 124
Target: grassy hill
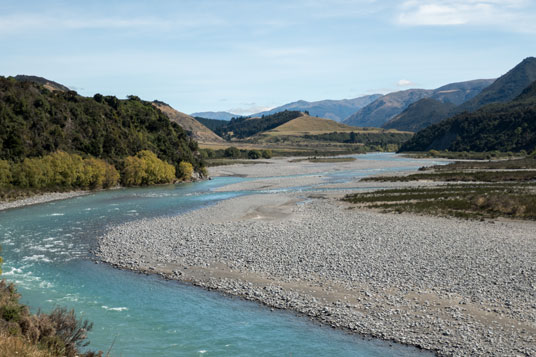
pixel 503 127
pixel 193 127
pixel 241 128
pixel 307 124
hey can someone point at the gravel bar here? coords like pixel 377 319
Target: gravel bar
pixel 43 198
pixel 450 286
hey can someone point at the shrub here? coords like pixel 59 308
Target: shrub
pixel 267 154
pixel 232 152
pixel 146 169
pixel 254 154
pixel 5 173
pixel 185 170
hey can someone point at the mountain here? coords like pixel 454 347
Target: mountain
pixel 420 115
pixel 212 124
pixel 387 107
pixel 306 124
pixel 509 126
pixel 48 84
pixel 194 128
pixel 460 92
pixel 240 128
pixel 506 88
pixel 216 115
pixel 36 121
pixel 384 108
pixel 337 110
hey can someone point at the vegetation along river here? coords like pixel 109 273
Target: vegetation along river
pixel 47 253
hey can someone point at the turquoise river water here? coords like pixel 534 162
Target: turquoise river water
pixel 47 253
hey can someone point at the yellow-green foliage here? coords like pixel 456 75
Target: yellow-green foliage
pixel 146 169
pixel 63 170
pixel 5 173
pixel 185 170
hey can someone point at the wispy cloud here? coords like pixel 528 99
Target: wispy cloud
pixel 249 108
pixel 404 83
pixel 510 14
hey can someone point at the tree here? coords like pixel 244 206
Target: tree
pixel 267 154
pixel 185 170
pixel 232 152
pixel 254 154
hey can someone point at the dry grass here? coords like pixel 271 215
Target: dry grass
pixel 17 346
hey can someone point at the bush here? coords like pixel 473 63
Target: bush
pixel 146 169
pixel 63 170
pixel 185 170
pixel 5 173
pixel 254 154
pixel 267 154
pixel 59 333
pixel 232 152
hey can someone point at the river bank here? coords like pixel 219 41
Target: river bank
pixel 41 198
pixel 449 286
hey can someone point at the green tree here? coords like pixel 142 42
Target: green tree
pixel 5 173
pixel 185 170
pixel 254 154
pixel 267 154
pixel 232 152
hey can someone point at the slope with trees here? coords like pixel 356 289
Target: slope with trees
pixel 503 127
pixel 36 121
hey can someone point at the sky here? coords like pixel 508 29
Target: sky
pixel 245 56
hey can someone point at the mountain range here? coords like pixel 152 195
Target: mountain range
pixel 501 126
pixel 336 110
pixel 426 112
pixel 216 115
pixel 385 108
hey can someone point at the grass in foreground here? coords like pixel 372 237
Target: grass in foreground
pixel 471 201
pixel 59 333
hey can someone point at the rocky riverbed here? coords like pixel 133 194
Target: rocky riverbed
pixel 450 286
pixel 42 198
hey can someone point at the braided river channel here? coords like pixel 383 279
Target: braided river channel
pixel 47 251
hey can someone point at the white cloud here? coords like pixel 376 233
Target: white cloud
pixel 517 15
pixel 404 83
pixel 249 108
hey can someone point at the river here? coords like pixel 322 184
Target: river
pixel 47 253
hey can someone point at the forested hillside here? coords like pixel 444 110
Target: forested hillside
pixel 240 128
pixel 503 127
pixel 36 121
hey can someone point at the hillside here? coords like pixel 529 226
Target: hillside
pixel 48 84
pixel 387 107
pixel 318 132
pixel 212 124
pixel 306 124
pixel 503 127
pixel 506 88
pixel 460 92
pixel 36 121
pixel 381 110
pixel 216 115
pixel 240 128
pixel 194 128
pixel 336 110
pixel 420 115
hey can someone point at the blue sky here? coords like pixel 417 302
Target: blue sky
pixel 248 55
